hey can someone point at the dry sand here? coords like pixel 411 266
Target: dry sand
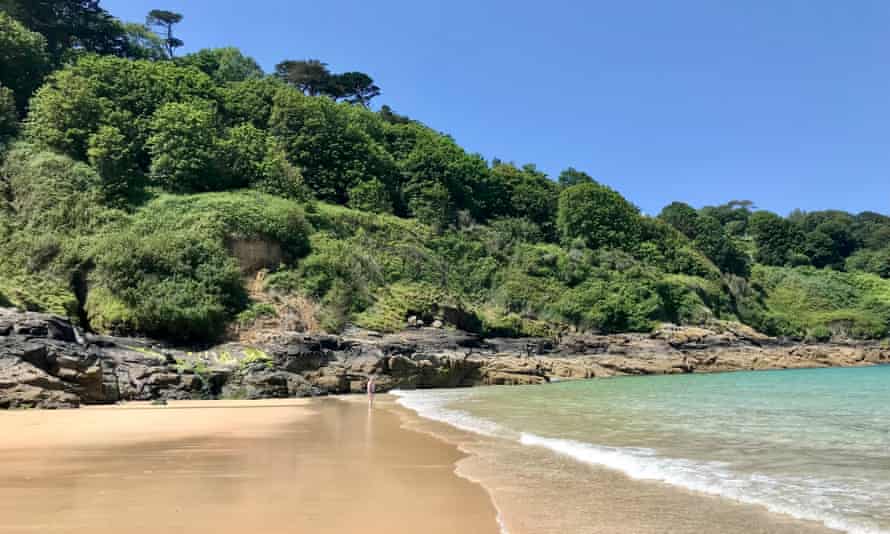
pixel 216 467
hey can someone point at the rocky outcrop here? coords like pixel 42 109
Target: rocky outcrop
pixel 45 363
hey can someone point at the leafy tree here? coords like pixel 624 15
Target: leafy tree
pixel 370 196
pixel 8 116
pixel 354 87
pixel 331 143
pixel 776 238
pixel 95 90
pixel 111 153
pixel 223 64
pixel 23 59
pixel 871 261
pixel 250 100
pixel 871 230
pixel 599 216
pixel 65 113
pixel 436 162
pixel 681 216
pixel 431 204
pixel 165 20
pixel 310 76
pixel 390 116
pixel 713 242
pixel 183 150
pixel 830 236
pixel 70 24
pixel 143 43
pixel 733 215
pixel 524 192
pixel 250 157
pixel 573 176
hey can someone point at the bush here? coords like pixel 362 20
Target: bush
pixel 370 196
pixel 23 59
pixel 599 216
pixel 8 116
pixel 170 273
pixel 183 152
pixel 113 157
pixel 99 90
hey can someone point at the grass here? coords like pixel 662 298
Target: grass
pixel 254 355
pixel 804 301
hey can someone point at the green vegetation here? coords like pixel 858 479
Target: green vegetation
pixel 139 193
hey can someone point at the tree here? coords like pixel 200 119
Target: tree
pixel 390 116
pixel 712 241
pixel 435 161
pixel 250 157
pixel 573 176
pixel 250 101
pixel 871 230
pixel 143 43
pixel 354 87
pixel 333 144
pixel 99 90
pixel 681 216
pixel 871 261
pixel 733 215
pixel 431 205
pixel 8 116
pixel 599 216
pixel 310 76
pixel 111 154
pixel 776 238
pixel 370 196
pixel 182 148
pixel 223 64
pixel 525 192
pixel 69 25
pixel 23 59
pixel 165 20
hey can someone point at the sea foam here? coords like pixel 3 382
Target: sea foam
pixel 793 497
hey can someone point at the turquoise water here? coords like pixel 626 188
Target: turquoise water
pixel 814 444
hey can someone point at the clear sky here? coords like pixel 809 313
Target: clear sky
pixel 783 102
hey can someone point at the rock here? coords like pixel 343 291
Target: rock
pixel 43 365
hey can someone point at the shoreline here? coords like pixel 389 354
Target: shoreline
pixel 532 494
pixel 326 465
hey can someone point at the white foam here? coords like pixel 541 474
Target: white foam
pixel 431 405
pixel 799 498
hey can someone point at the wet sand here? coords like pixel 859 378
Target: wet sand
pixel 540 492
pixel 319 466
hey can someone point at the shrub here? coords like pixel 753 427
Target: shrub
pixel 599 216
pixel 183 152
pixel 370 196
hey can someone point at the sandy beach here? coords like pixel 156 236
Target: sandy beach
pixel 317 466
pixel 231 467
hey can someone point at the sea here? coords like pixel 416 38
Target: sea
pixel 811 444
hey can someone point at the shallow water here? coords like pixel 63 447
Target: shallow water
pixel 814 444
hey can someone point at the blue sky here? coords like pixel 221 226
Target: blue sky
pixel 783 102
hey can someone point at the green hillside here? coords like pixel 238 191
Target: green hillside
pixel 182 197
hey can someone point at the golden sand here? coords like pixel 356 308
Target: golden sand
pixel 214 467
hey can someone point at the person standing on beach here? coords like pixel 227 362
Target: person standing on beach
pixel 371 386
